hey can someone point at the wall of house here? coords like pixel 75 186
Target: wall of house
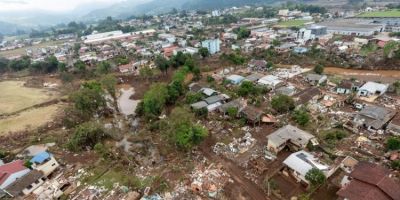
pixel 342 91
pixel 48 167
pixel 33 187
pixel 14 177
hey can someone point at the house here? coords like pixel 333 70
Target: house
pixel 372 89
pixel 374 117
pixel 195 87
pixel 270 81
pixel 237 103
pixel 251 114
pixel 345 87
pixel 299 163
pixel 286 90
pixel 300 50
pixel 44 162
pixel 288 136
pixel 253 77
pixel 258 65
pixel 12 171
pixel 307 95
pixel 26 184
pixel 213 46
pixel 235 79
pixel 316 79
pixel 208 91
pixel 198 105
pixel 394 125
pixel 369 181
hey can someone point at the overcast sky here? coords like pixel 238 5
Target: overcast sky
pixel 50 5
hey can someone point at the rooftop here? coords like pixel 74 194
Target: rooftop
pixel 292 133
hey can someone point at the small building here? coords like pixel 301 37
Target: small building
pixel 316 79
pixel 253 77
pixel 345 87
pixel 374 117
pixel 307 95
pixel 195 87
pixel 199 105
pixel 301 162
pixel 270 81
pixel 372 89
pixel 235 79
pixel 370 181
pixel 214 99
pixel 300 50
pixel 208 91
pixel 237 103
pixel 288 136
pixel 251 114
pixel 26 184
pixel 44 162
pixel 12 171
pixel 286 90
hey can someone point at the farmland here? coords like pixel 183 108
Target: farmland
pixel 28 119
pixel 292 23
pixel 14 96
pixel 386 13
pixel 22 51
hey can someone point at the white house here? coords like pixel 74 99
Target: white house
pixel 12 171
pixel 270 81
pixel 213 46
pixel 372 88
pixel 45 163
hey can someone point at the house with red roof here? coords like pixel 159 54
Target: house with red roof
pixel 12 171
pixel 369 181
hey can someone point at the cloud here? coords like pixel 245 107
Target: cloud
pixel 13 2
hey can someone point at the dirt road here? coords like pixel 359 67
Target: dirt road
pixel 237 173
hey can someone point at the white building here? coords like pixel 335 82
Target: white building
pixel 213 46
pixel 372 88
pixel 270 81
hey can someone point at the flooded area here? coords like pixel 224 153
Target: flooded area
pixel 127 106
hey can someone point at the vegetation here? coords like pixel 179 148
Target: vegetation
pixel 334 135
pixel 242 32
pixel 89 100
pixel 162 63
pixel 154 101
pixel 282 103
pixel 193 97
pixel 248 88
pixel 185 134
pixel 204 52
pixel 232 112
pixel 87 134
pixel 319 69
pixel 292 23
pixel 301 116
pixel 234 58
pixel 395 164
pixel 386 13
pixel 315 177
pixel 396 86
pixel 393 143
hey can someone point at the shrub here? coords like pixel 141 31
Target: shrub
pixel 315 177
pixel 232 112
pixel 393 143
pixel 282 103
pixel 87 134
pixel 301 116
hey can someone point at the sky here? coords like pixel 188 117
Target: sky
pixel 49 5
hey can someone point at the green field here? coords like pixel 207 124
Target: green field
pixel 292 23
pixel 387 13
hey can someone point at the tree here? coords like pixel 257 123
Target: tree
pixel 109 82
pixel 62 67
pixel 80 66
pixel 276 42
pixel 301 116
pixel 146 72
pixel 87 134
pixel 232 112
pixel 242 32
pixel 88 101
pixel 396 86
pixel 193 97
pixel 315 177
pixel 204 52
pixel 20 64
pixel 184 132
pixel 162 63
pixel 319 69
pixel 282 103
pixel 3 64
pixel 247 88
pixel 103 67
pixel 154 100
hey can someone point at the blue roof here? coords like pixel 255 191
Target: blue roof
pixel 41 157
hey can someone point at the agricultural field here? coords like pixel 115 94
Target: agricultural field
pixel 386 13
pixel 14 96
pixel 29 119
pixel 293 23
pixel 22 51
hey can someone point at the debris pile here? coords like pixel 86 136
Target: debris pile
pixel 208 181
pixel 237 146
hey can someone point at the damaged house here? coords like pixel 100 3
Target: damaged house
pixel 369 181
pixel 299 163
pixel 394 125
pixel 251 114
pixel 307 95
pixel 26 184
pixel 316 79
pixel 372 89
pixel 289 136
pixel 374 117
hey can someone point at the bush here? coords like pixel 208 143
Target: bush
pixel 301 116
pixel 248 88
pixel 315 177
pixel 210 79
pixel 232 112
pixel 193 97
pixel 282 103
pixel 319 69
pixel 334 135
pixel 202 112
pixel 393 143
pixel 87 135
pixel 395 164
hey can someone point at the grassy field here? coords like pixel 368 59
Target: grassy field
pixel 29 119
pixel 387 13
pixel 292 23
pixel 22 51
pixel 14 96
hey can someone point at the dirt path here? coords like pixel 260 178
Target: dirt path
pixel 252 190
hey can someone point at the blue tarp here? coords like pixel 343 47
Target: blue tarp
pixel 41 157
